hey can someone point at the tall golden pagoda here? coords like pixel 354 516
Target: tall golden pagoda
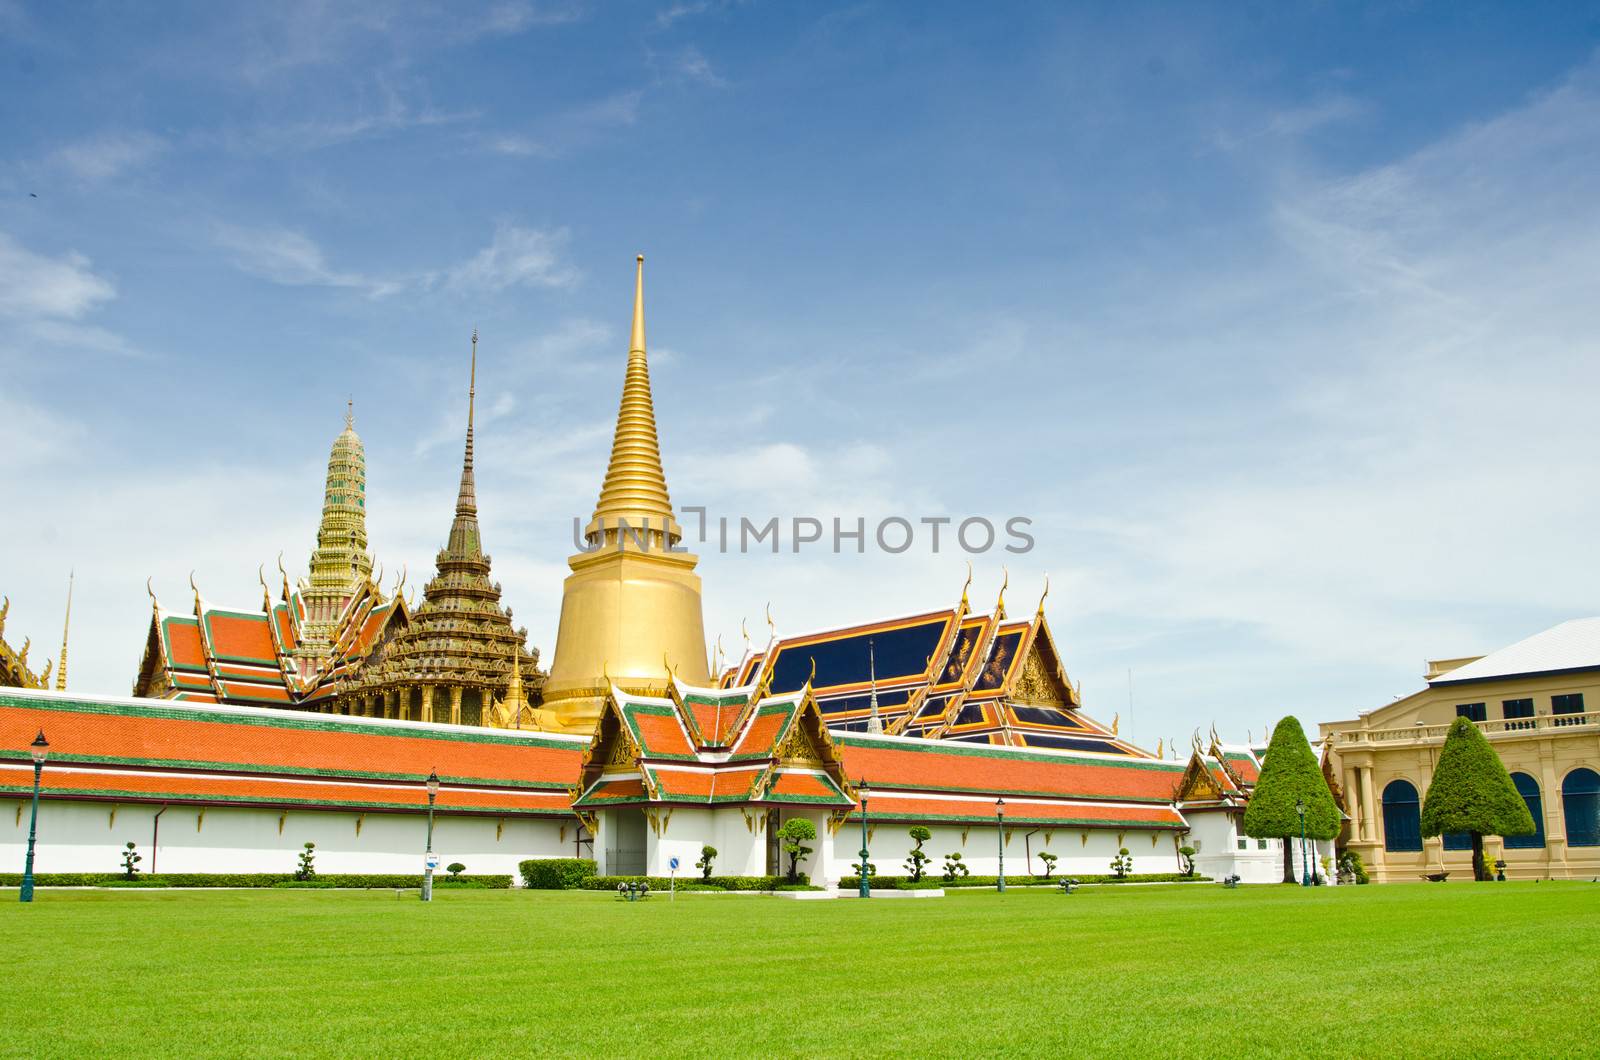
pixel 458 660
pixel 631 606
pixel 340 564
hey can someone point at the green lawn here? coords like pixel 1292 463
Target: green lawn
pixel 1192 970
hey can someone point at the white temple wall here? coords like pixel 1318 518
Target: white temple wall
pixel 1079 851
pixel 1216 837
pixel 90 837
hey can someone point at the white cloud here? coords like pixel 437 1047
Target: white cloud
pixel 517 257
pixel 33 285
pixel 293 259
pixel 100 158
pixel 692 65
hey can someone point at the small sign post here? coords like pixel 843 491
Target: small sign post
pixel 672 880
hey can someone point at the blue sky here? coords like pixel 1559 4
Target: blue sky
pixel 1279 322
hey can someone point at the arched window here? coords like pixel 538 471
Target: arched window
pixel 1402 820
pixel 1580 801
pixel 1528 788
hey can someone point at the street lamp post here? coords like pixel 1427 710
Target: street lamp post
pixel 1305 863
pixel 427 862
pixel 1000 836
pixel 865 888
pixel 39 749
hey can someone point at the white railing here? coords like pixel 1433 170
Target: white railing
pixel 1587 723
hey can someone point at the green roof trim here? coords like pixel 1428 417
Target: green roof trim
pixel 15 755
pixel 111 795
pixel 1010 754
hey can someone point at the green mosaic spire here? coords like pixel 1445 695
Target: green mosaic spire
pixel 340 563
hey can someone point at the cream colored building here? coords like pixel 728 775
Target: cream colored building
pixel 1538 702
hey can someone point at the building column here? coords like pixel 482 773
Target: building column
pixel 1369 820
pixel 388 704
pixel 403 709
pixel 455 705
pixel 427 703
pixel 1555 819
pixel 1358 810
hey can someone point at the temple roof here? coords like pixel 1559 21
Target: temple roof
pixel 949 674
pixel 711 746
pixel 134 750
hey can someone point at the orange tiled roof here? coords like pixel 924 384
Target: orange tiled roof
pixel 943 765
pixel 183 740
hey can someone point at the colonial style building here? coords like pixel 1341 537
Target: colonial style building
pixel 1536 702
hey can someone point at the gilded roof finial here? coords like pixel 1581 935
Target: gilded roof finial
pixel 1045 593
pixel 196 589
pixel 149 588
pixel 1000 603
pixel 772 627
pixel 966 586
pixel 5 609
pixel 635 487
pixel 1116 719
pixel 66 626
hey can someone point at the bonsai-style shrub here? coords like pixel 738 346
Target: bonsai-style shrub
pixel 455 868
pixel 130 862
pixel 307 870
pixel 1122 864
pixel 918 859
pixel 708 854
pixel 954 867
pixel 1472 792
pixel 1187 853
pixel 1289 775
pixel 1049 860
pixel 792 836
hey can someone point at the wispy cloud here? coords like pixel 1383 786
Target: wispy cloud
pixel 34 285
pixel 293 259
pixel 692 65
pixel 107 155
pixel 517 257
pixel 675 13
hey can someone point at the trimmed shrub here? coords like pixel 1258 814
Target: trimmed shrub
pixel 307 869
pixel 556 874
pixel 917 862
pixel 1472 792
pixel 1291 774
pixel 708 855
pixel 130 862
pixel 792 837
pixel 455 868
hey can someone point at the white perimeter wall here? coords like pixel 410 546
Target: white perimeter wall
pixel 1215 836
pixel 1078 851
pixel 89 837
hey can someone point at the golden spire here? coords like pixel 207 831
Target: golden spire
pixel 467 500
pixel 61 666
pixel 635 487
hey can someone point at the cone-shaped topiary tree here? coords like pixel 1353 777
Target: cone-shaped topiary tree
pixel 1290 774
pixel 1472 792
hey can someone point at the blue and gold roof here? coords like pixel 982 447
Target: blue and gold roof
pixel 951 674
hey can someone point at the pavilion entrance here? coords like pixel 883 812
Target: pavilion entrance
pixel 626 842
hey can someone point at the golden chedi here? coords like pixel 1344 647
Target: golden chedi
pixel 631 606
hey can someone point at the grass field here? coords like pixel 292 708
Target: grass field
pixel 1191 970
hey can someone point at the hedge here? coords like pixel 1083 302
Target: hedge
pixel 249 879
pixel 694 883
pixel 929 883
pixel 556 874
